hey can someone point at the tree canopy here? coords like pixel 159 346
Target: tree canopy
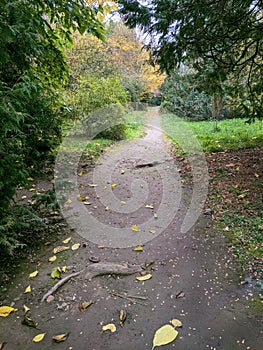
pixel 221 37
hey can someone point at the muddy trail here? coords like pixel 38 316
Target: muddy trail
pixel 131 253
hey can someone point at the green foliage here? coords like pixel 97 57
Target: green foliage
pixel 232 134
pixel 182 97
pixel 34 35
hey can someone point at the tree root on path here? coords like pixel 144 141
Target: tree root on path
pixel 98 269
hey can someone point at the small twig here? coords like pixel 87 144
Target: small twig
pixel 130 297
pixel 60 283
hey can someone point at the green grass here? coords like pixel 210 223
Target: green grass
pixel 134 123
pixel 233 134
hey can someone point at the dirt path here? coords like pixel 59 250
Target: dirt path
pixel 193 279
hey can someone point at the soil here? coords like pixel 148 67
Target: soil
pixel 195 277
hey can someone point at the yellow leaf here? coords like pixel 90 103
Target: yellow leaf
pixel 176 323
pixel 38 337
pixel 53 212
pixel 152 231
pixel 6 310
pixel 113 185
pixel 67 240
pixel 28 289
pixel 109 327
pixel 149 206
pixel 138 249
pixel 107 208
pixel 52 181
pixel 164 335
pixel 81 198
pixel 33 274
pixel 68 201
pixel 52 258
pixel 134 228
pixel 55 273
pixel 100 16
pixel 60 337
pixel 30 179
pixel 25 309
pixel 87 203
pixel 75 246
pixel 85 305
pixel 60 249
pixel 64 269
pixel 144 278
pixel 123 202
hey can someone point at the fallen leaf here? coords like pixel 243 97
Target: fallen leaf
pixel 53 212
pixel 33 274
pixel 30 179
pixel 60 249
pixel 155 215
pixel 176 323
pixel 138 249
pixel 67 240
pixel 122 317
pixel 27 321
pixel 149 206
pixel 60 337
pixel 56 272
pixel 122 171
pixel 85 305
pixel 64 268
pixel 109 327
pixel 28 289
pixel 152 232
pixel 180 295
pixel 113 185
pixel 81 198
pixel 52 258
pixel 164 335
pixel 134 228
pixel 106 208
pixel 38 337
pixel 123 202
pixel 75 246
pixel 6 310
pixel 144 278
pixel 257 176
pixel 87 203
pixel 92 185
pixel 68 201
pixel 25 309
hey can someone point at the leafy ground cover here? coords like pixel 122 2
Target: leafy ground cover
pixel 234 159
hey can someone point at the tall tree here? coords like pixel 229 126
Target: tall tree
pixel 225 32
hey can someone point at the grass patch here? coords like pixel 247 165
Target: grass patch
pixel 235 183
pixel 232 134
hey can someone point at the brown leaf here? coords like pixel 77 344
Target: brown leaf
pixel 122 317
pixel 60 337
pixel 27 321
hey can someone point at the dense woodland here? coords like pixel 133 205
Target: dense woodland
pixel 60 61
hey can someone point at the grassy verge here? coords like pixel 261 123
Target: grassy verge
pixel 232 134
pixel 234 159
